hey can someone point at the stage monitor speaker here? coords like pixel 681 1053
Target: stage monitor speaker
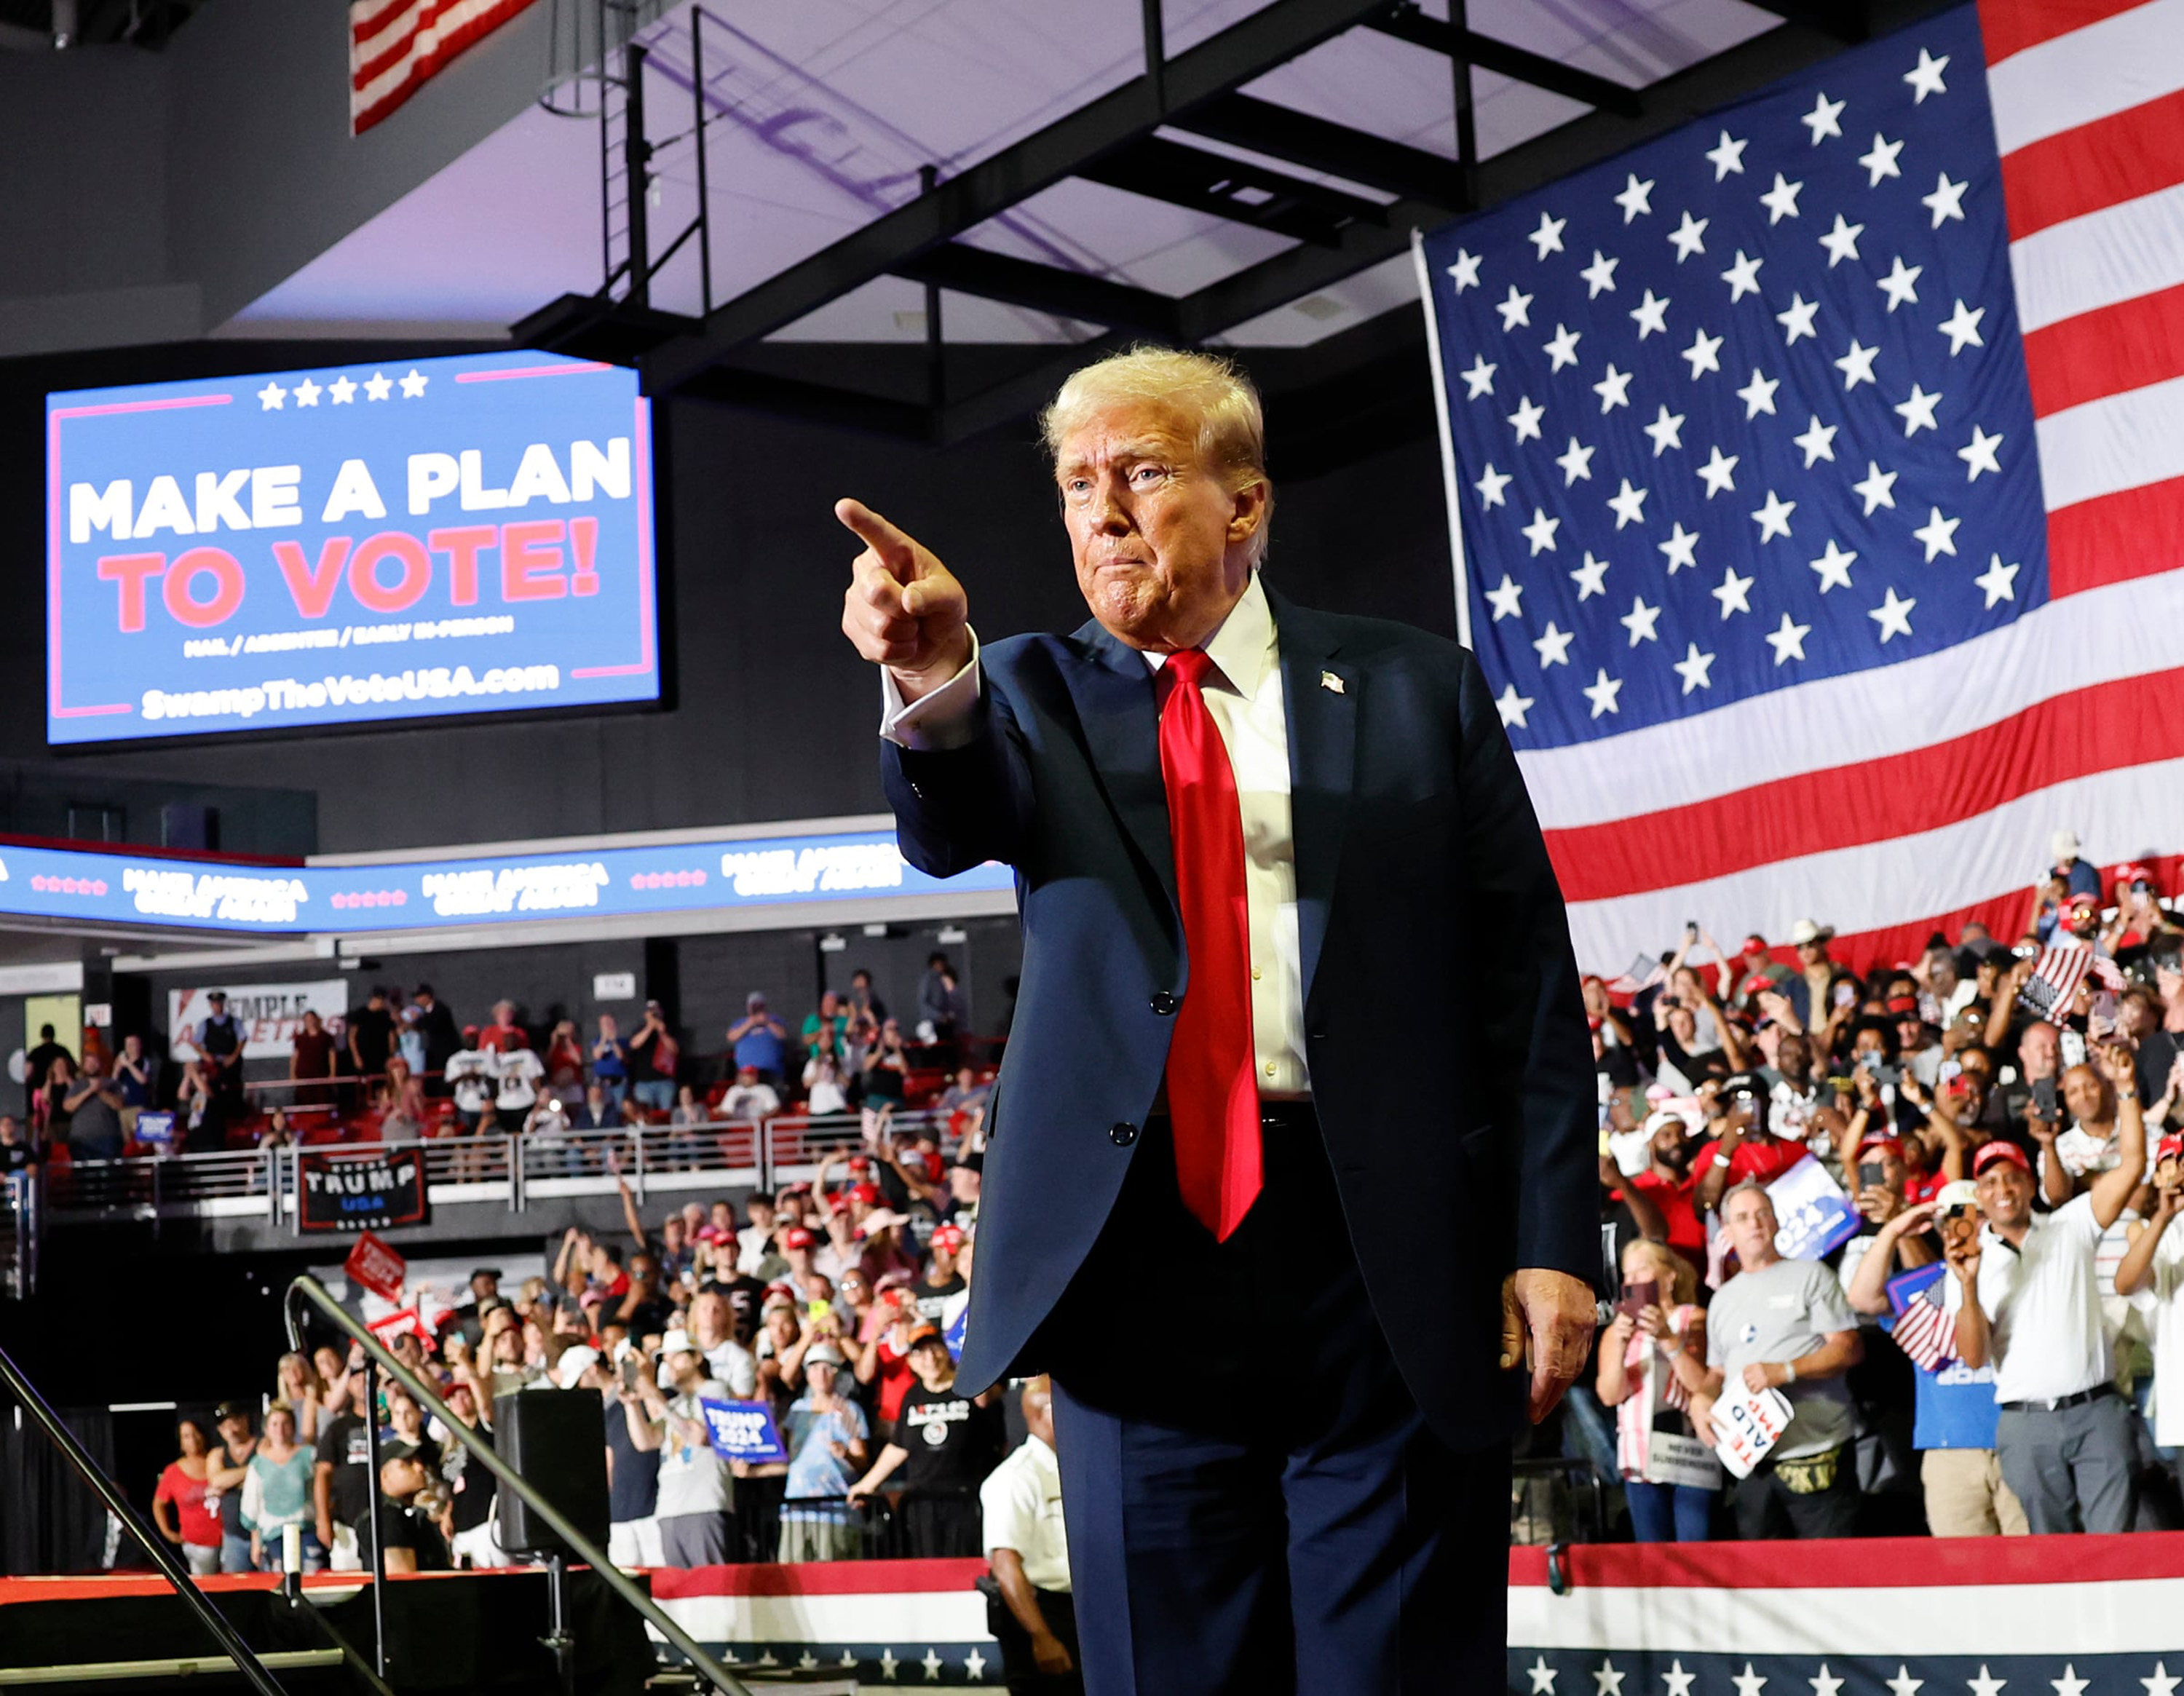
pixel 556 1439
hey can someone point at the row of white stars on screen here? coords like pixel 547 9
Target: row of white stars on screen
pixel 342 390
pixel 974 1663
pixel 1689 238
pixel 1961 326
pixel 1607 1680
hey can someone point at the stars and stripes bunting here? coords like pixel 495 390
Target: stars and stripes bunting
pixel 1817 474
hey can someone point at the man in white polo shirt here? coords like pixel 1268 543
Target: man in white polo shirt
pixel 1033 1617
pixel 2026 1296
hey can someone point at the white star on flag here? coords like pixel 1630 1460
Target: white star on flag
pixel 1491 483
pixel 1749 1683
pixel 1607 1682
pixel 1818 442
pixel 1590 578
pixel 1826 1684
pixel 1978 454
pixel 1938 534
pixel 1636 198
pixel 1627 504
pixel 1689 237
pixel 1759 395
pixel 1857 365
pixel 1540 531
pixel 1506 599
pixel 1513 707
pixel 1666 430
pixel 1834 567
pixel 1998 582
pixel 2069 1684
pixel 1742 277
pixel 1962 326
pixel 1599 275
pixel 1692 668
pixel 1548 237
pixel 1640 621
pixel 1917 412
pixel 1576 461
pixel 270 397
pixel 1719 471
pixel 1553 645
pixel 1901 284
pixel 413 386
pixel 308 392
pixel 1879 160
pixel 1788 640
pixel 1681 548
pixel 1774 518
pixel 1704 354
pixel 1823 119
pixel 1516 310
pixel 1542 1676
pixel 1877 488
pixel 1465 270
pixel 1727 156
pixel 1613 390
pixel 2163 1683
pixel 888 1664
pixel 975 1663
pixel 932 1664
pixel 1841 242
pixel 343 391
pixel 1479 379
pixel 377 387
pixel 1781 200
pixel 1798 319
pixel 1926 76
pixel 1946 201
pixel 1678 1681
pixel 1903 1684
pixel 1733 591
pixel 1651 315
pixel 1602 693
pixel 1526 418
pixel 1987 1684
pixel 1562 350
pixel 1893 616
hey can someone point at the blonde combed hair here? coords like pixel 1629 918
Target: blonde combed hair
pixel 1211 391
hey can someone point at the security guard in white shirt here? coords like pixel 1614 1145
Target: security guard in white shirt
pixel 1028 1602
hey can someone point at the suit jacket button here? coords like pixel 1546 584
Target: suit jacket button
pixel 1163 1003
pixel 1123 1135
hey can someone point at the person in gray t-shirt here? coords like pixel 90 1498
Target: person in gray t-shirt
pixel 1785 1324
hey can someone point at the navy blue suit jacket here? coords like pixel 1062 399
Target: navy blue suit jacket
pixel 1450 1067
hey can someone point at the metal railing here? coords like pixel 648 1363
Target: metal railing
pixel 482 1454
pixel 514 1172
pixel 19 1202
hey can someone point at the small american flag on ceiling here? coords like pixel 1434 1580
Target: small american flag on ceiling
pixel 1816 478
pixel 395 47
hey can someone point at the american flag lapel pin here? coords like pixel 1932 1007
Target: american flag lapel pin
pixel 1328 680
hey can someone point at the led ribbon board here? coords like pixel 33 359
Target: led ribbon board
pixel 348 546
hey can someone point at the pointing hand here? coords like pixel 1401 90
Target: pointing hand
pixel 904 609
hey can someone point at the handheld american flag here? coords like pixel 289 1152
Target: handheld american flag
pixel 1817 474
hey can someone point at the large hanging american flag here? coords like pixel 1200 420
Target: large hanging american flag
pixel 1817 480
pixel 396 47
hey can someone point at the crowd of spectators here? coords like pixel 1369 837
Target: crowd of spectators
pixel 398 1067
pixel 1998 1346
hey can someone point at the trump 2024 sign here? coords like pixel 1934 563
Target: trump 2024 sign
pixel 338 547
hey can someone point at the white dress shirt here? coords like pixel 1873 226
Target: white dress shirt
pixel 1243 696
pixel 2042 1301
pixel 1020 1508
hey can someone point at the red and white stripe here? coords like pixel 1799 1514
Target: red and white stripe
pixel 395 47
pixel 1927 1334
pixel 1939 808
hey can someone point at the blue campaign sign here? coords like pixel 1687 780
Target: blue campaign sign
pixel 1813 1217
pixel 656 878
pixel 336 547
pixel 745 1431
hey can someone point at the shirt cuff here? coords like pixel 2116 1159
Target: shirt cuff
pixel 935 722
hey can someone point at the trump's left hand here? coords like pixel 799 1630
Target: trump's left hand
pixel 1546 1324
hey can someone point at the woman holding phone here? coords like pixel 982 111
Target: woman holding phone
pixel 1653 1359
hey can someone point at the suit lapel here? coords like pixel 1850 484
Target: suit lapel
pixel 1319 695
pixel 1113 692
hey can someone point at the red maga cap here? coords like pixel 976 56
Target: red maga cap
pixel 1990 1153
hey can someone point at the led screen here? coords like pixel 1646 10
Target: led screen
pixel 348 546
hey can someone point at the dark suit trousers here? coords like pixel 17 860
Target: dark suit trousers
pixel 1255 1505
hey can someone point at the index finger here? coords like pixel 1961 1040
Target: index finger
pixel 892 546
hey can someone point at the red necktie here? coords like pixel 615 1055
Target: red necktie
pixel 1213 1098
